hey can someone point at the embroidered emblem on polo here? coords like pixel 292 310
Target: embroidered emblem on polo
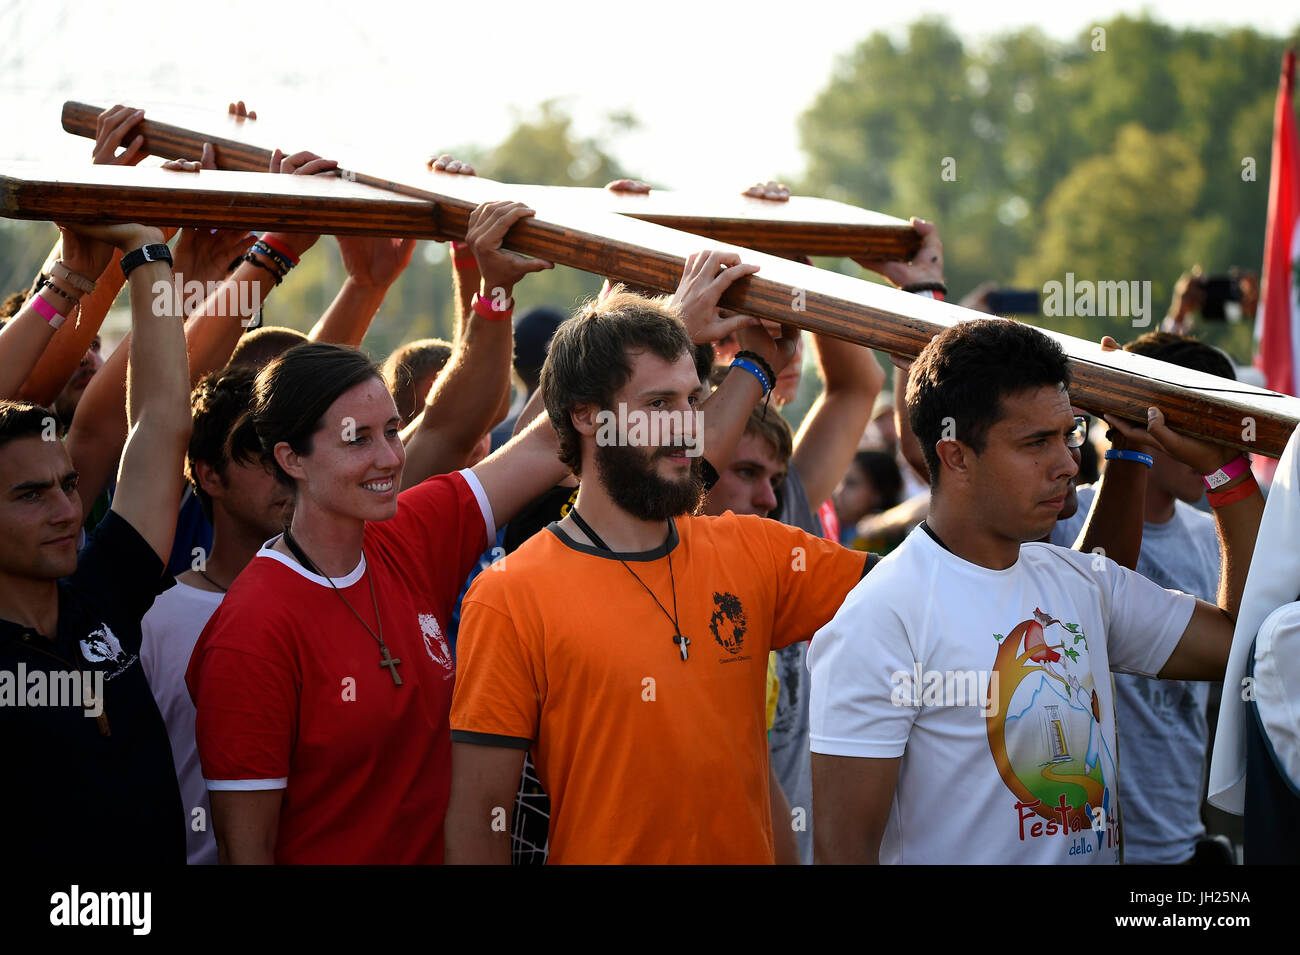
pixel 434 642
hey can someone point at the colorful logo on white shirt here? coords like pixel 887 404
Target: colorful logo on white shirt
pixel 435 644
pixel 1046 735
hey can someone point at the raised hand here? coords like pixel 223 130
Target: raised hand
pixel 300 164
pixel 97 241
pixel 1204 457
pixel 444 162
pixel 629 186
pixel 488 225
pixel 87 248
pixel 375 261
pixel 238 111
pixel 706 277
pixel 112 126
pixel 778 348
pixel 772 190
pixel 205 255
pixel 926 266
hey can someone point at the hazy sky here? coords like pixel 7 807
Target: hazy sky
pixel 717 87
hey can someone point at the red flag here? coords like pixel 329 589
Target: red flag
pixel 1278 324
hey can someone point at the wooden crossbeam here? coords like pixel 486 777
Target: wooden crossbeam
pixel 221 200
pixel 805 225
pixel 652 256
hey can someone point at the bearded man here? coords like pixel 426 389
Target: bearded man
pixel 627 645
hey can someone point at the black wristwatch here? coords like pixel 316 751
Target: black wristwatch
pixel 158 252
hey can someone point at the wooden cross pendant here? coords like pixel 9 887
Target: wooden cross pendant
pixel 391 662
pixel 682 642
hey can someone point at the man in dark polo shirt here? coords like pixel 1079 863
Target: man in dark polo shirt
pixel 89 769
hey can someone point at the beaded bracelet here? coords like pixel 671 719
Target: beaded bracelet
pixel 47 283
pixel 261 263
pixel 281 261
pixel 279 248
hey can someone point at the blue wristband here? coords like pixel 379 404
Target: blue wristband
pixel 1115 454
pixel 754 370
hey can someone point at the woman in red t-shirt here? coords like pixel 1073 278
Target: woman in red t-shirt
pixel 323 681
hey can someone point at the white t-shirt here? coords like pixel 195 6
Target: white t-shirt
pixel 170 630
pixel 906 668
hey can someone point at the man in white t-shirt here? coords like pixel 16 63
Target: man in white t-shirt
pixel 247 506
pixel 961 701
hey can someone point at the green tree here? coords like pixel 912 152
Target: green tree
pixel 1101 224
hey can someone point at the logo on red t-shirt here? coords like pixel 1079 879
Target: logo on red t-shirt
pixel 435 644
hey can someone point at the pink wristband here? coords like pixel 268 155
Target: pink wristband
pixel 47 311
pixel 483 307
pixel 1231 470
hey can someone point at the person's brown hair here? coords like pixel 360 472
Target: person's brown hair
pixel 589 358
pixel 292 393
pixel 963 374
pixel 218 403
pixel 773 429
pixel 263 345
pixel 406 366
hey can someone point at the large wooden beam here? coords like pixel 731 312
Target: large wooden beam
pixel 220 200
pixel 651 256
pixel 805 225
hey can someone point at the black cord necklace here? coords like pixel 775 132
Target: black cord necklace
pixel 681 641
pixel 387 660
pixel 204 575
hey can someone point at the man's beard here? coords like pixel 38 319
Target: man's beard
pixel 627 475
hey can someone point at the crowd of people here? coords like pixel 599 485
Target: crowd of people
pixel 569 589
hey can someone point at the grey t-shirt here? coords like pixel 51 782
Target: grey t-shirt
pixel 788 740
pixel 1161 724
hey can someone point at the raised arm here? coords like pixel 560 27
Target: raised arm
pixel 114 129
pixel 215 326
pixel 373 265
pixel 46 315
pixel 830 432
pixel 725 411
pixel 462 405
pixel 158 392
pixel 1202 652
pixel 465 275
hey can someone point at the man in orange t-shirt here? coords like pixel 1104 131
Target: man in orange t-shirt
pixel 627 644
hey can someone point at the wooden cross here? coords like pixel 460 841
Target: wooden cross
pixel 584 229
pixel 391 662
